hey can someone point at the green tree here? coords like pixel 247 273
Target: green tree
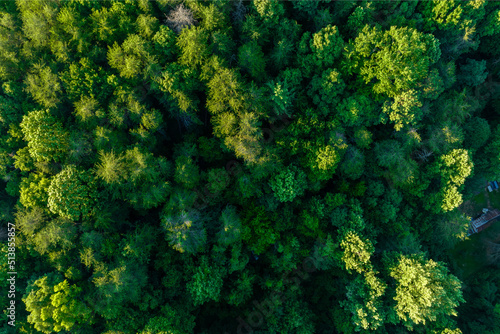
pixel 473 73
pixel 117 284
pixel 47 139
pixel 33 191
pixel 356 252
pixel 55 305
pixel 456 166
pixel 357 110
pixel 186 172
pixel 492 152
pixel 388 153
pixel 364 301
pixel 193 46
pixel 325 92
pixel 288 184
pixel 353 163
pixel 425 290
pixel 131 57
pixel 184 226
pixel 397 59
pixel 258 229
pixel 206 283
pixel 251 58
pixel 72 193
pixel 444 137
pixel 230 231
pixel 218 180
pixel 405 110
pixel 477 132
pixel 170 320
pixel 43 85
pixel 326 45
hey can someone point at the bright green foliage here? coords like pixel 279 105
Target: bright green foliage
pixel 72 193
pixel 23 160
pixel 193 46
pixel 87 110
pixel 235 166
pixel 424 290
pixel 111 167
pixel 225 93
pixel 397 58
pixel 288 184
pixel 33 191
pixel 356 252
pixel 47 139
pixel 326 45
pixel 55 305
pixel 323 161
pixel 405 110
pixel 29 221
pixel 131 57
pixel 456 166
pixel 451 198
pixel 147 25
pixel 43 85
pixel 206 283
pixel 85 80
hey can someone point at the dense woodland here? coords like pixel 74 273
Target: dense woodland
pixel 247 166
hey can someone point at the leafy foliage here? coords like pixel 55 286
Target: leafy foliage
pixel 273 167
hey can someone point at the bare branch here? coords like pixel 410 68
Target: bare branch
pixel 179 18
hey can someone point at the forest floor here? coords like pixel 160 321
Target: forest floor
pixel 471 253
pixel 485 199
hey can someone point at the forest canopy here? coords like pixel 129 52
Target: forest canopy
pixel 189 166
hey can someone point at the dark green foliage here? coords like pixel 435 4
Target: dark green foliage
pixel 473 72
